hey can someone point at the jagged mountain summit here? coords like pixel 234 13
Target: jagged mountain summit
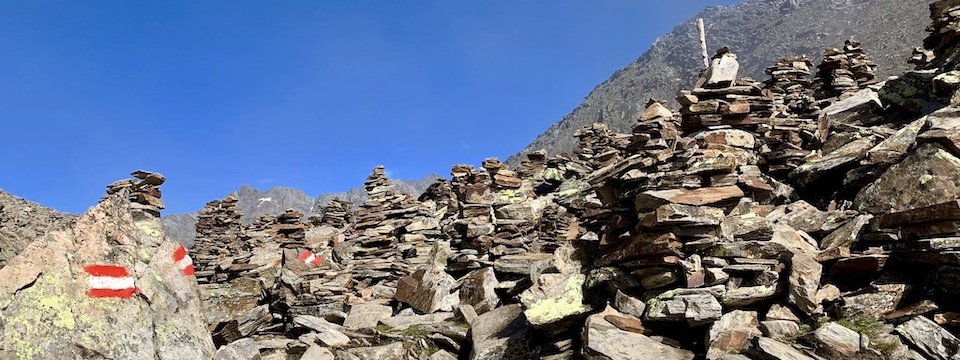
pixel 761 31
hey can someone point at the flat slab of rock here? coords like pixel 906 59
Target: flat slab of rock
pixel 848 154
pixel 364 316
pixel 835 341
pixel 650 200
pixel 605 341
pixel 931 173
pixel 243 349
pixel 695 309
pixel 933 341
pixel 773 349
pixel 392 351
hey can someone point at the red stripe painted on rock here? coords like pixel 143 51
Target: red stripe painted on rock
pixel 180 253
pixel 110 293
pixel 106 270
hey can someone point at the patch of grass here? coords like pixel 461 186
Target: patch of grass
pixel 416 331
pixel 804 330
pixel 863 325
pixel 885 347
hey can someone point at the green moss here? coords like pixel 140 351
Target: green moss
pixel 566 303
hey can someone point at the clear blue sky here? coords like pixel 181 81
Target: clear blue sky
pixel 307 94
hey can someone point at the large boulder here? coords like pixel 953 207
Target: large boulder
pixel 931 173
pixel 107 288
pixel 554 298
pixel 732 333
pixel 503 334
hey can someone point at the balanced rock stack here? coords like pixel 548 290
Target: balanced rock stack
pixel 503 178
pixel 599 146
pixel 336 214
pixel 790 80
pixel 144 190
pixel 290 229
pixel 845 71
pixel 219 233
pixel 534 162
pixel 375 256
pixel 724 99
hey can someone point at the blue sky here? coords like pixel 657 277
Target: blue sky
pixel 306 94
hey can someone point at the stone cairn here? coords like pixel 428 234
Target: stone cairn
pixel 336 214
pixel 753 224
pixel 790 80
pixel 845 71
pixel 143 190
pixel 375 256
pixel 219 233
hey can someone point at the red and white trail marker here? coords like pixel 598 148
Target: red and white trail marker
pixel 109 281
pixel 183 261
pixel 309 258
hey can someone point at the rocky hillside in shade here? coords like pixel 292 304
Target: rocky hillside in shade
pixel 255 203
pixel 760 31
pixel 22 222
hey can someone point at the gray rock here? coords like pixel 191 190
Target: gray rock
pixel 401 322
pixel 604 341
pixel 722 72
pixel 805 274
pixel 732 333
pixel 931 174
pixel 243 349
pixel 317 352
pixel 772 349
pixel 852 108
pixel 695 309
pixel 392 351
pixel 846 235
pixel 933 341
pixel 629 305
pixel 554 298
pixel 779 329
pixel 442 355
pixel 873 302
pixel 503 333
pixel 48 313
pixel 478 289
pixel 834 341
pixel 363 316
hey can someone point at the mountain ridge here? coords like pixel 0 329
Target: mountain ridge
pixel 759 31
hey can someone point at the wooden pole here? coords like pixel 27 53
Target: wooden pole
pixel 703 43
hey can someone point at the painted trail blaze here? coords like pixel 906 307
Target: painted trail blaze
pixel 183 261
pixel 309 258
pixel 110 281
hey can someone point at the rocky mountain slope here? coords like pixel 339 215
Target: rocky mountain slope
pixel 255 203
pixel 760 31
pixel 22 222
pixel 811 214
